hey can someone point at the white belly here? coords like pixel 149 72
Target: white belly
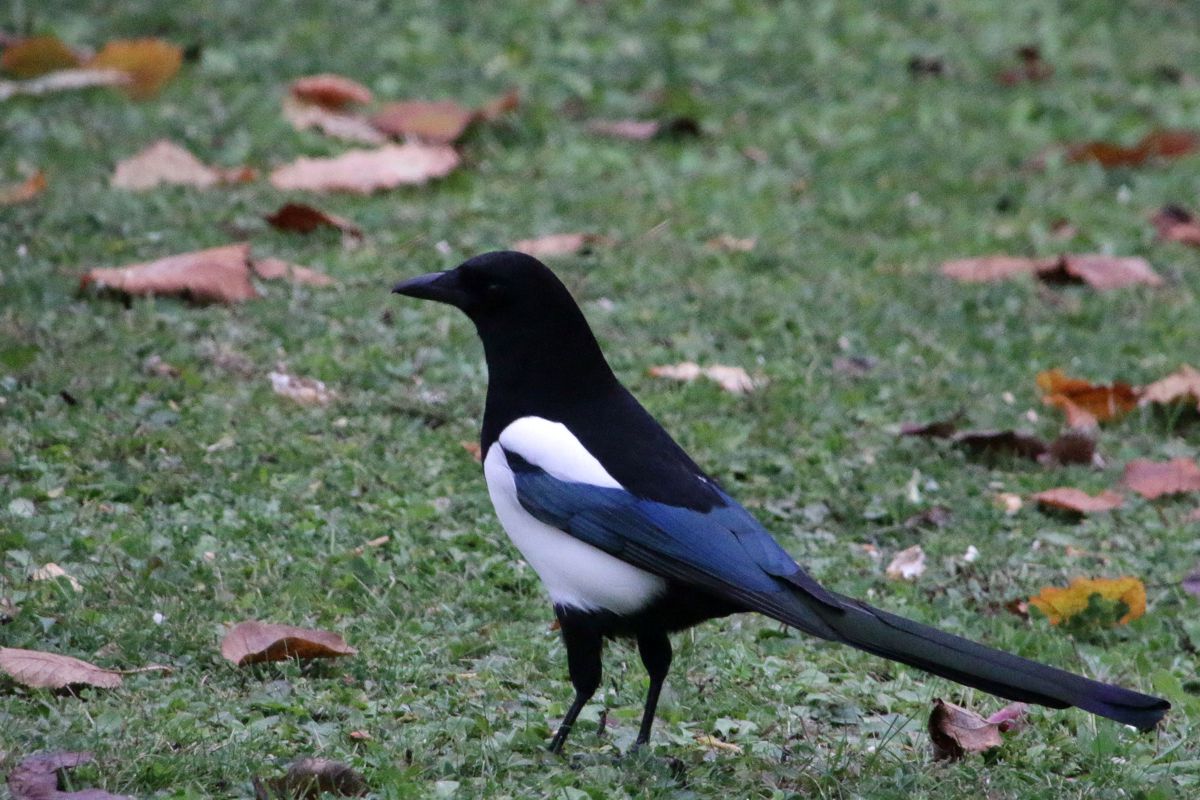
pixel 574 573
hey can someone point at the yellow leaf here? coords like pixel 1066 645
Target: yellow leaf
pixel 1060 603
pixel 150 63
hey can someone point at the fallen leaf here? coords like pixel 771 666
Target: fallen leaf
pixel 989 269
pixel 52 571
pixel 956 731
pixel 305 391
pixel 275 268
pixel 36 778
pixel 1032 68
pixel 1006 442
pixel 330 91
pixel 474 449
pixel 932 517
pixel 360 736
pixel 303 218
pixel 218 274
pixel 908 564
pixel 641 130
pixel 166 162
pixel 1101 272
pixel 24 191
pixel 1176 224
pixel 1085 403
pixel 938 429
pixel 1161 144
pixel 338 124
pixel 1074 446
pixel 712 742
pixel 150 63
pixel 558 244
pixel 1181 385
pixel 64 80
pixel 1061 604
pixel 727 243
pixel 378 541
pixel 734 380
pixel 1191 583
pixel 309 778
pixel 38 55
pixel 1153 479
pixel 40 670
pixel 252 642
pixel 365 171
pixel 1079 501
pixel 437 122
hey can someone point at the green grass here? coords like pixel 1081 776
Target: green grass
pixel 872 179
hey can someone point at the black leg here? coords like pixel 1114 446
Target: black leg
pixel 655 649
pixel 584 646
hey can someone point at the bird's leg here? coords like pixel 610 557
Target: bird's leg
pixel 655 649
pixel 584 645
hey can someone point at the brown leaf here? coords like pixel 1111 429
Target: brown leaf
pixel 956 731
pixel 932 517
pixel 252 642
pixel 939 429
pixel 558 244
pixel 166 162
pixel 908 564
pixel 1176 224
pixel 641 130
pixel 305 391
pixel 1156 144
pixel 1032 68
pixel 1153 479
pixel 438 122
pixel 303 218
pixel 218 274
pixel 338 124
pixel 727 243
pixel 365 171
pixel 36 778
pixel 23 192
pixel 311 777
pixel 275 268
pixel 330 91
pixel 1007 442
pixel 1084 402
pixel 1075 446
pixel 150 63
pixel 734 380
pixel 1181 385
pixel 51 671
pixel 474 449
pixel 1079 501
pixel 989 269
pixel 498 107
pixel 37 55
pixel 1101 272
pixel 65 80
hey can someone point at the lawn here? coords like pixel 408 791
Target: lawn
pixel 205 499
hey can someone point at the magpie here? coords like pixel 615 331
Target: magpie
pixel 632 539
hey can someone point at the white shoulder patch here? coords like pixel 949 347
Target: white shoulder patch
pixel 553 448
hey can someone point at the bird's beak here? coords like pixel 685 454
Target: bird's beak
pixel 442 287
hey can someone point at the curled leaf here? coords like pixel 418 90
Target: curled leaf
pixel 311 777
pixel 36 778
pixel 330 91
pixel 218 274
pixel 1061 604
pixel 252 642
pixel 956 731
pixel 1079 501
pixel 40 670
pixel 303 218
pixel 1183 385
pixel 1085 403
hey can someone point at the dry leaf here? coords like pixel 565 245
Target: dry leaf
pixel 274 268
pixel 339 124
pixel 1031 70
pixel 37 55
pixel 24 191
pixel 1085 403
pixel 306 391
pixel 908 564
pixel 303 218
pixel 1161 144
pixel 378 541
pixel 309 778
pixel 1075 446
pixel 64 80
pixel 252 642
pixel 365 171
pixel 1061 604
pixel 558 244
pixel 713 743
pixel 734 380
pixel 52 571
pixel 1007 442
pixel 474 449
pixel 440 122
pixel 330 91
pixel 1153 479
pixel 1079 501
pixel 36 778
pixel 932 517
pixel 956 731
pixel 166 162
pixel 51 671
pixel 1101 272
pixel 1176 224
pixel 939 429
pixel 1183 384
pixel 731 244
pixel 150 63
pixel 218 274
pixel 989 269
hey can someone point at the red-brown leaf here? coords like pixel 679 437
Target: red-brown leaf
pixel 956 731
pixel 218 274
pixel 1079 501
pixel 23 192
pixel 1162 144
pixel 438 122
pixel 303 218
pixel 53 671
pixel 252 642
pixel 330 91
pixel 1084 402
pixel 1152 479
pixel 37 55
pixel 366 171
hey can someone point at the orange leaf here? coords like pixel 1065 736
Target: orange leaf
pixel 330 91
pixel 1070 499
pixel 218 274
pixel 150 63
pixel 1060 604
pixel 1183 384
pixel 36 56
pixel 1156 144
pixel 24 191
pixel 1085 403
pixel 303 218
pixel 1152 479
pixel 251 642
pixel 441 122
pixel 365 171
